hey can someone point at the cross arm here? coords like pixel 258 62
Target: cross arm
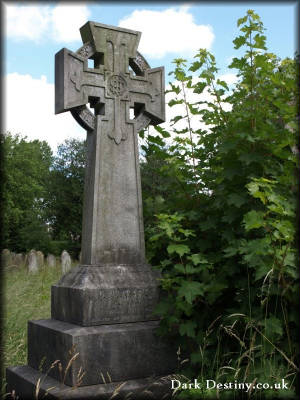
pixel 148 92
pixel 155 108
pixel 68 74
pixel 72 80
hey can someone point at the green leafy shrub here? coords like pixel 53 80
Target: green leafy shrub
pixel 224 235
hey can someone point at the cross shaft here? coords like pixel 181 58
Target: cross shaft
pixel 112 213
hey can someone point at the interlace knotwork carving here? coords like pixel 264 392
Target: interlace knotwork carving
pixel 142 121
pixel 116 85
pixel 86 50
pixel 141 62
pixel 84 117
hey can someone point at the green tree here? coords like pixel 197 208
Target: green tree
pixel 25 173
pixel 65 200
pixel 228 253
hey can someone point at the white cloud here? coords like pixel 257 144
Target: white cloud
pixel 66 19
pixel 31 112
pixel 37 22
pixel 26 22
pixel 170 31
pixel 229 78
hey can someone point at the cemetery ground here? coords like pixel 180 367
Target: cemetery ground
pixel 25 297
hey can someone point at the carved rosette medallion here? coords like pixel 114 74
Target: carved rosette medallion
pixel 116 85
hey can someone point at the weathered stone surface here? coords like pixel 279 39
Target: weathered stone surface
pixel 123 351
pixel 104 295
pixel 5 258
pixel 112 211
pixel 51 260
pixel 23 380
pixel 19 260
pixel 65 262
pixel 110 296
pixel 40 259
pixel 32 262
pixel 13 256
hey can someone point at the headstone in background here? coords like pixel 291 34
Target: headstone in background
pixel 40 259
pixel 51 260
pixel 79 258
pixel 5 258
pixel 32 262
pixel 104 307
pixel 13 256
pixel 19 260
pixel 65 262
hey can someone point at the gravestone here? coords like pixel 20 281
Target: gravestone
pixel 51 260
pixel 65 262
pixel 32 262
pixel 5 258
pixel 102 309
pixel 40 259
pixel 19 259
pixel 13 256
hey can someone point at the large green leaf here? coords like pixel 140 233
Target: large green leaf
pixel 190 290
pixel 253 219
pixel 180 249
pixel 187 328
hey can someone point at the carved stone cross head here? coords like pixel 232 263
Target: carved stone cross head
pixel 120 80
pixel 109 86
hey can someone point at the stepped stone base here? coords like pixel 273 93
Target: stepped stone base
pixel 23 380
pixel 118 352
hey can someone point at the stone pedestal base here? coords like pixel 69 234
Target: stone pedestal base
pixel 106 352
pixel 67 361
pixel 106 294
pixel 101 339
pixel 23 381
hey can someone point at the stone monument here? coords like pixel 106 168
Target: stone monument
pixel 65 261
pixel 51 260
pixel 103 331
pixel 40 259
pixel 6 258
pixel 32 262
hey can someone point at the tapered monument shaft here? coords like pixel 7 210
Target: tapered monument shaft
pixel 112 211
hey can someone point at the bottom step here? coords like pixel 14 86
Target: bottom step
pixel 23 385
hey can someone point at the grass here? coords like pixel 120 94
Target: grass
pixel 26 296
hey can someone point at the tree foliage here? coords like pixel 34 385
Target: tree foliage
pixel 42 195
pixel 226 242
pixel 65 200
pixel 25 173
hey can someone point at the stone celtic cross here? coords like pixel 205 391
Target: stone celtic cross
pixel 103 308
pixel 119 81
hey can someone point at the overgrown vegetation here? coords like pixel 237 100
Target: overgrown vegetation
pixel 24 176
pixel 224 236
pixel 219 199
pixel 42 195
pixel 26 298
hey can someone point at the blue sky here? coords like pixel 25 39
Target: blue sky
pixel 34 32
